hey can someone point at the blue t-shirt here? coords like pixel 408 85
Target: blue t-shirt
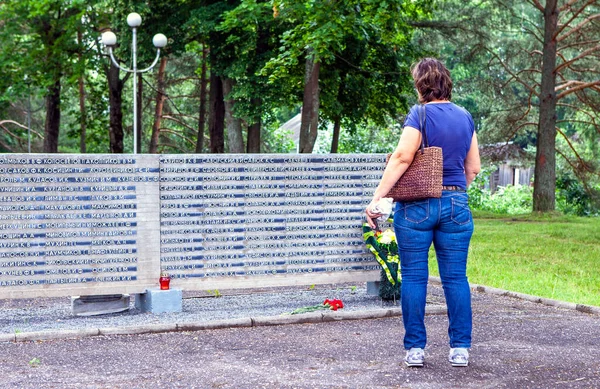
pixel 451 128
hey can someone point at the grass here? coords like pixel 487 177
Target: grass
pixel 549 256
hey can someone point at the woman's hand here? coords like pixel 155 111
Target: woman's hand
pixel 370 215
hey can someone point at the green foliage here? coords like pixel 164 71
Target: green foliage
pixel 214 293
pixel 38 47
pixel 494 51
pixel 511 200
pixel 275 138
pixel 365 48
pixel 364 51
pixel 577 178
pixel 478 194
pixel 366 138
pixel 507 200
pixel 387 290
pixel 367 82
pixel 573 198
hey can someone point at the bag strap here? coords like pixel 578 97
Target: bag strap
pixel 422 122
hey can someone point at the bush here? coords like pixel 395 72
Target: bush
pixel 511 200
pixel 572 197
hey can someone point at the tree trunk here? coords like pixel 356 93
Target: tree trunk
pixel 338 119
pixel 216 117
pixel 52 124
pixel 253 143
pixel 83 120
pixel 545 159
pixel 160 101
pixel 83 112
pixel 336 135
pixel 49 35
pixel 234 125
pixel 310 105
pixel 202 116
pixel 140 124
pixel 115 99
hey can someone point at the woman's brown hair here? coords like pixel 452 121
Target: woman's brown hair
pixel 432 80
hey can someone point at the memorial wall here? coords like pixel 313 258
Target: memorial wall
pixel 78 224
pixel 104 224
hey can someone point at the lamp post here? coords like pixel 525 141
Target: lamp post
pixel 109 39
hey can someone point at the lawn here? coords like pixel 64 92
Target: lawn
pixel 556 257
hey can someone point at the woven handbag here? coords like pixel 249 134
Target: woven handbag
pixel 423 178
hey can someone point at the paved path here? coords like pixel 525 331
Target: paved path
pixel 517 344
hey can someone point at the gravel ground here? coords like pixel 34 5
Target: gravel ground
pixel 517 344
pixel 55 313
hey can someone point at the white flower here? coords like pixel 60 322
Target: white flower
pixel 387 237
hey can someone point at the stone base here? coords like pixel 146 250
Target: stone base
pixel 99 304
pixel 373 288
pixel 159 301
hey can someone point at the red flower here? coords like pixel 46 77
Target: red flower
pixel 334 304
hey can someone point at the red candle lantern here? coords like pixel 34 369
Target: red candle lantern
pixel 164 280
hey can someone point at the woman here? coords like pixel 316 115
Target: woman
pixel 446 222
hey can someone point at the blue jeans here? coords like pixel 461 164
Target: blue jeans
pixel 447 223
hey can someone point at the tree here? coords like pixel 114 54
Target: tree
pixel 163 17
pixel 45 35
pixel 562 71
pixel 366 84
pixel 203 25
pixel 216 117
pixel 528 81
pixel 234 124
pixel 243 41
pixel 319 34
pixel 99 18
pixel 160 101
pixel 202 108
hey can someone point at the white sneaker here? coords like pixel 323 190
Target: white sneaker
pixel 459 357
pixel 414 357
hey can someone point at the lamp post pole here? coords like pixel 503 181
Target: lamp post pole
pixel 109 39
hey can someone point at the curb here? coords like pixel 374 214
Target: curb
pixel 534 299
pixel 312 317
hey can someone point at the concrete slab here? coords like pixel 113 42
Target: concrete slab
pixel 373 288
pixel 159 301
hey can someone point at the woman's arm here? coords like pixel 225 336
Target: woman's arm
pixel 472 161
pixel 400 160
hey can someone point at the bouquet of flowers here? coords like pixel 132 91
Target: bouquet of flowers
pixel 384 247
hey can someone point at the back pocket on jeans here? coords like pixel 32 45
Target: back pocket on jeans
pixel 416 212
pixel 461 214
